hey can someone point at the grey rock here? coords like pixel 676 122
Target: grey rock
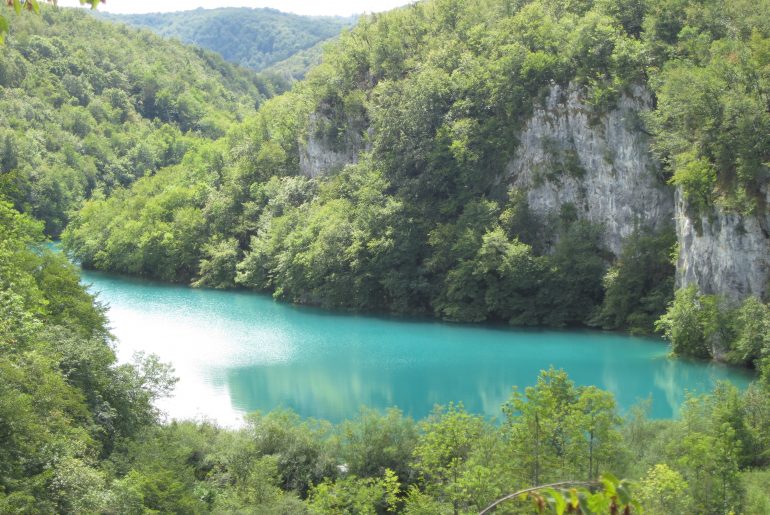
pixel 721 252
pixel 600 163
pixel 319 157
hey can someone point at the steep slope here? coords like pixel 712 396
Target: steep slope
pixel 492 161
pixel 253 38
pixel 598 162
pixel 430 102
pixel 723 252
pixel 484 161
pixel 88 107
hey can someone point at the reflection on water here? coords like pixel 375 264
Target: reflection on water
pixel 236 352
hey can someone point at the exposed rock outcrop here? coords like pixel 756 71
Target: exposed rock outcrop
pixel 600 163
pixel 724 253
pixel 321 154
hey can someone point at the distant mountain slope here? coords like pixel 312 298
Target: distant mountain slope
pixel 255 38
pixel 79 118
pixel 296 67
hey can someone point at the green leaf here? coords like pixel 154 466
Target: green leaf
pixel 610 483
pixel 35 6
pixel 17 6
pixel 573 497
pixel 599 502
pixel 585 506
pixel 559 502
pixel 624 495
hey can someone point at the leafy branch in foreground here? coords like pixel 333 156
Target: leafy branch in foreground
pixel 608 495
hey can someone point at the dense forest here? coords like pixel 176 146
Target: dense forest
pixel 81 119
pixel 284 73
pixel 378 183
pixel 79 434
pixel 252 38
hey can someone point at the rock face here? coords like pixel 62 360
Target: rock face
pixel 599 163
pixel 723 253
pixel 319 156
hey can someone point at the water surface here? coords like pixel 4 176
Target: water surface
pixel 237 352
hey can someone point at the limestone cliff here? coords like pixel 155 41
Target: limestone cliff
pixel 322 153
pixel 600 163
pixel 722 252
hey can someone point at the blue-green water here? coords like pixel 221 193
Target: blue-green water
pixel 237 352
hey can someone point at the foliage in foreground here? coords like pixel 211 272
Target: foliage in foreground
pixel 65 404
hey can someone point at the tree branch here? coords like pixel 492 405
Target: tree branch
pixel 508 497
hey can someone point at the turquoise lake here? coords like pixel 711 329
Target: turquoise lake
pixel 237 352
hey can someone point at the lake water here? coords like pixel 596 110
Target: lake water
pixel 237 352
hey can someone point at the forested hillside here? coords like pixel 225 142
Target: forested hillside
pixel 492 160
pixel 295 68
pixel 89 107
pixel 253 38
pixel 65 405
pixel 488 160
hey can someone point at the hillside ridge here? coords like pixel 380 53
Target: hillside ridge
pixel 255 38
